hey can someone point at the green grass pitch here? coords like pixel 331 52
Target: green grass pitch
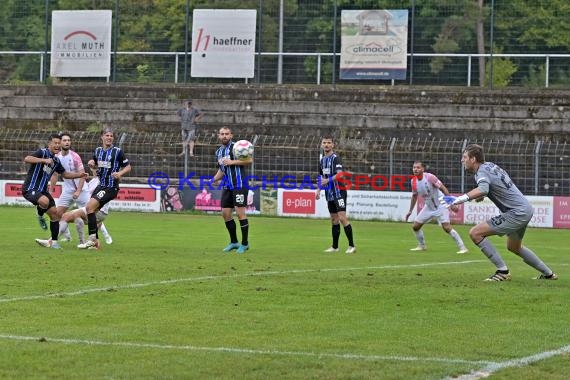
pixel 163 302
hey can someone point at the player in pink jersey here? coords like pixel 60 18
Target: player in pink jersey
pixel 430 189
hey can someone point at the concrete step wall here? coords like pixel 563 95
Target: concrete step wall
pixel 353 112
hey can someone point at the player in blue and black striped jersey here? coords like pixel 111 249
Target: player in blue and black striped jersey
pixel 111 165
pixel 233 175
pixel 330 166
pixel 35 189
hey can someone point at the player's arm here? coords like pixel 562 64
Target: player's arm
pixel 443 189
pixel 412 205
pixel 124 164
pixel 247 161
pixel 480 191
pixel 52 182
pixel 218 176
pixel 125 170
pixel 36 159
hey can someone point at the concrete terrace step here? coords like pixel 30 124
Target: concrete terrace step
pixel 167 108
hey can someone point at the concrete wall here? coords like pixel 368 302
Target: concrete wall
pixel 371 111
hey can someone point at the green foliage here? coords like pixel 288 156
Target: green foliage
pixel 503 70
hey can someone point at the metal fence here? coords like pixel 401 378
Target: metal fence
pixel 521 43
pixel 537 168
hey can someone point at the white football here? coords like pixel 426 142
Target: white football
pixel 243 149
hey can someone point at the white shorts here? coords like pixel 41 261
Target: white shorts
pixel 66 199
pixel 441 214
pixel 100 215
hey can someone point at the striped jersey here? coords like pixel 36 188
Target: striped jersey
pixel 109 161
pixel 428 188
pixel 39 175
pixel 328 167
pixel 235 175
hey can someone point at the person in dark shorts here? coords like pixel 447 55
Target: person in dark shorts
pixel 232 173
pixel 43 164
pixel 330 166
pixel 111 165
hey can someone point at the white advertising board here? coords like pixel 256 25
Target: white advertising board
pixel 81 43
pixel 223 43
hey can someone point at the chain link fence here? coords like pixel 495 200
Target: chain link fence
pixel 537 168
pixel 517 43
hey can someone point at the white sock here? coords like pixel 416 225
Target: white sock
pixel 79 225
pixel 457 239
pixel 103 229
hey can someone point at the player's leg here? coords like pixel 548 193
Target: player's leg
pixel 240 203
pixel 478 235
pixel 227 204
pixel 514 245
pixel 46 202
pixel 63 203
pixel 105 232
pixel 343 219
pixel 335 226
pixel 422 218
pixel 446 225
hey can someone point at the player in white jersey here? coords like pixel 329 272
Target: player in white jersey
pixel 79 216
pixel 430 189
pixel 516 212
pixel 73 190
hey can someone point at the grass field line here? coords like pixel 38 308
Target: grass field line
pixel 217 277
pixel 490 368
pixel 247 351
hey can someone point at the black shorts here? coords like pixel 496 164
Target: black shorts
pixel 337 205
pixel 34 196
pixel 105 195
pixel 234 198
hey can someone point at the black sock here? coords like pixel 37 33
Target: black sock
pixel 348 232
pixel 54 229
pixel 335 235
pixel 41 211
pixel 231 226
pixel 244 224
pixel 92 223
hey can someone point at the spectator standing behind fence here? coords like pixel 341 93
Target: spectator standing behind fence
pixel 516 213
pixel 189 116
pixel 329 168
pixel 430 188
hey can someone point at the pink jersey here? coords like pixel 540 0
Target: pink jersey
pixel 428 188
pixel 73 164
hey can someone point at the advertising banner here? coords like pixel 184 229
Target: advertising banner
pixel 130 197
pixel 205 200
pixel 374 44
pixel 81 43
pixel 223 43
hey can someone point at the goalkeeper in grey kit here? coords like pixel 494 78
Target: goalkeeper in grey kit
pixel 516 213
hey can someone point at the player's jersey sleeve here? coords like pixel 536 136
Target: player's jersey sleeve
pixel 336 165
pixel 121 159
pixel 433 180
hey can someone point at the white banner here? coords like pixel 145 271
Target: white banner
pixel 223 43
pixel 81 43
pixel 476 212
pixel 374 44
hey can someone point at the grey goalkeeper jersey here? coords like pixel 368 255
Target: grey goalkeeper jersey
pixel 495 181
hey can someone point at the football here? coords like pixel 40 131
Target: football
pixel 243 149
